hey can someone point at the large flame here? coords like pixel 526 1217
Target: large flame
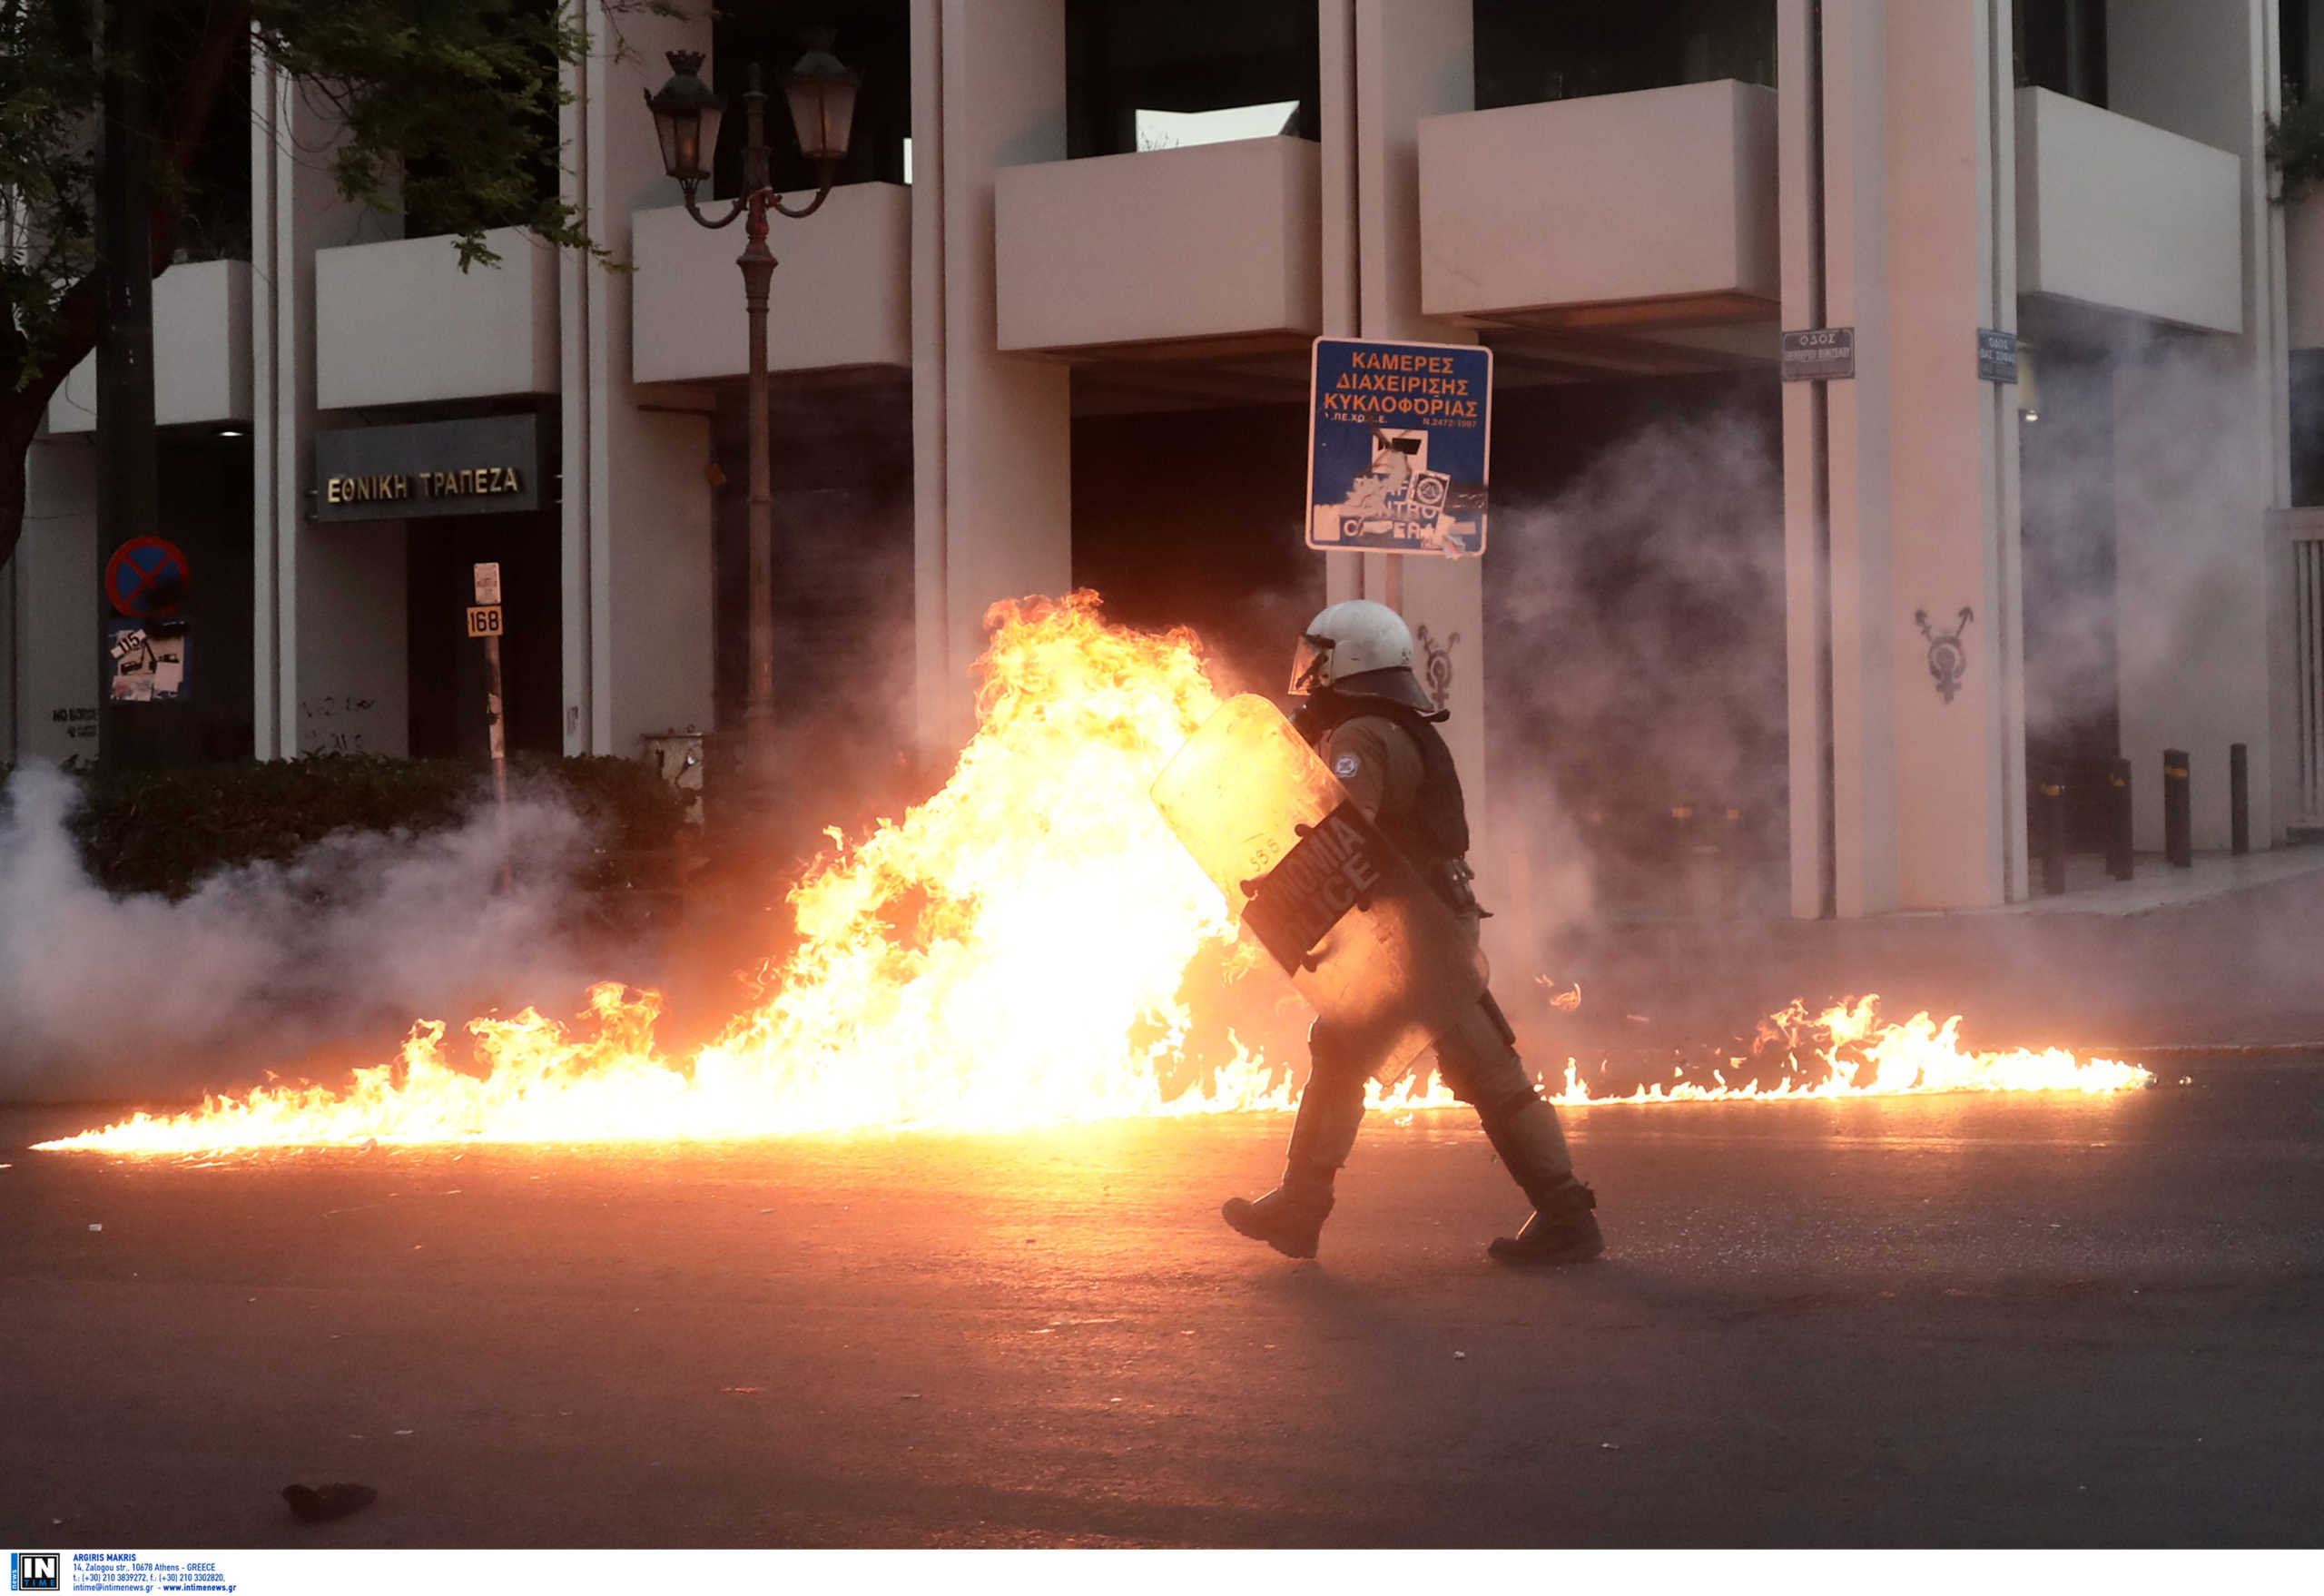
pixel 1015 950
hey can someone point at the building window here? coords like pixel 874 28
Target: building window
pixel 1174 130
pixel 2299 40
pixel 2306 426
pixel 1527 51
pixel 1140 76
pixel 215 223
pixel 2061 45
pixel 872 36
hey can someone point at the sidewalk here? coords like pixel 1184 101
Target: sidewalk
pixel 2155 885
pixel 2230 952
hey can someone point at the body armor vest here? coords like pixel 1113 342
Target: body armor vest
pixel 1432 826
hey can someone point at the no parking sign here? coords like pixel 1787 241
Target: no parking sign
pixel 147 577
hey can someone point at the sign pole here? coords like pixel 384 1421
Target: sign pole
pixel 484 621
pixel 127 486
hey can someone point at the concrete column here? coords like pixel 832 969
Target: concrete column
pixel 2202 450
pixel 991 434
pixel 1405 59
pixel 1807 446
pixel 636 511
pixel 274 422
pixel 1909 489
pixel 1341 254
pixel 329 603
pixel 9 669
pixel 52 677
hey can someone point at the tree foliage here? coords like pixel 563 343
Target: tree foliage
pixel 448 109
pixel 2295 146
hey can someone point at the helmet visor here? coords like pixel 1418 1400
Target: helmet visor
pixel 1311 665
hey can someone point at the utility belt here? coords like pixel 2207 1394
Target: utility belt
pixel 1456 883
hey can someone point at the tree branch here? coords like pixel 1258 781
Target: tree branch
pixel 225 26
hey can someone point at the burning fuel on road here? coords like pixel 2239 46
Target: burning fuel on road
pixel 1029 946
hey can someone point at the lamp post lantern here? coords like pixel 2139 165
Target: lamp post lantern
pixel 820 93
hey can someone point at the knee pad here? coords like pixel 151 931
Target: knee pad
pixel 1503 1102
pixel 1494 1093
pixel 1481 1067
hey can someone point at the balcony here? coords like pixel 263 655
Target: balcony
pixel 399 323
pixel 841 295
pixel 201 352
pixel 2116 214
pixel 1657 207
pixel 1212 247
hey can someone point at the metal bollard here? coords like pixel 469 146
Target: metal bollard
pixel 2118 820
pixel 2239 798
pixel 2051 812
pixel 2177 823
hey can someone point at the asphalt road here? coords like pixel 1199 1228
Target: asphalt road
pixel 1956 1321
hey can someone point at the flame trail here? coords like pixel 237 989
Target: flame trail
pixel 1016 950
pixel 1846 1051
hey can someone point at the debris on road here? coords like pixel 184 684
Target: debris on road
pixel 319 1504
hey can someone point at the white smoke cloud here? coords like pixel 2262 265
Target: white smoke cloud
pixel 106 997
pixel 2149 574
pixel 1636 651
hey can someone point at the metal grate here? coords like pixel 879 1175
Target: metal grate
pixel 2307 587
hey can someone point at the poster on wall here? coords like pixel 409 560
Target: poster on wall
pixel 147 661
pixel 1397 440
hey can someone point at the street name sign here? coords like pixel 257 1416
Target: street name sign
pixel 1820 354
pixel 1996 356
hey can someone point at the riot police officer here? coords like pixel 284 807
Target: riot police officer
pixel 1375 726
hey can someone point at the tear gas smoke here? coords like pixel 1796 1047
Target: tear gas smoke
pixel 2144 490
pixel 1636 661
pixel 105 997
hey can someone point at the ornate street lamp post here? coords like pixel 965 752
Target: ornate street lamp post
pixel 821 97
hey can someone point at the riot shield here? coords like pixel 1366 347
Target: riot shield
pixel 1378 955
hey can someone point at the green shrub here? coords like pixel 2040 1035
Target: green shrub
pixel 627 808
pixel 2296 145
pixel 161 831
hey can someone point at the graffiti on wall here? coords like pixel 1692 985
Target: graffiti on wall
pixel 336 722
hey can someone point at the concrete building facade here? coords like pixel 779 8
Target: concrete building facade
pixel 1052 329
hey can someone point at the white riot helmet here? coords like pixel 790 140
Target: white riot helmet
pixel 1358 647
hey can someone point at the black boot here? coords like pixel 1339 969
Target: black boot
pixel 1562 1229
pixel 1525 1132
pixel 1290 1218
